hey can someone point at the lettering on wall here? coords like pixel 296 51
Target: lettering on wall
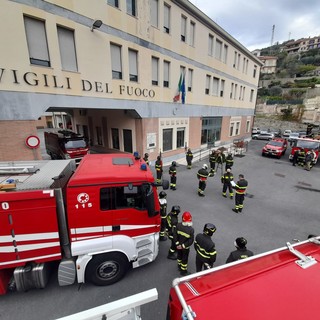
pixel 43 80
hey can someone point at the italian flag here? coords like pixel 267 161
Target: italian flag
pixel 176 98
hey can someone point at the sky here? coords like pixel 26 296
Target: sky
pixel 251 21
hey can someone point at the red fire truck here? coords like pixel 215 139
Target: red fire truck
pixel 96 220
pixel 307 144
pixel 65 144
pixel 279 284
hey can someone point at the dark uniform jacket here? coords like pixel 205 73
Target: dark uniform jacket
pixel 212 158
pixel 227 177
pixel 158 165
pixel 202 174
pixel 239 254
pixel 229 161
pixel 184 236
pixel 172 222
pixel 189 156
pixel 172 170
pixel 205 248
pixel 241 186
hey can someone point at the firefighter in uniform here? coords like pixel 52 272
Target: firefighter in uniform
pixel 189 157
pixel 146 158
pixel 173 175
pixel 205 248
pixel 240 187
pixel 229 161
pixel 184 240
pixel 220 160
pixel 172 222
pixel 226 180
pixel 159 169
pixel 242 252
pixel 163 214
pixel 202 175
pixel 301 157
pixel 212 161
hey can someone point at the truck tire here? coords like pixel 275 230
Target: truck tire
pixel 106 269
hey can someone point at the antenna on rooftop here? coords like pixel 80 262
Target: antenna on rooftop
pixel 272 35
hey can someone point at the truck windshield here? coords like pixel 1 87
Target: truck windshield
pixel 308 144
pixel 75 144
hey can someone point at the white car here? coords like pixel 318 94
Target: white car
pixel 263 136
pixel 286 133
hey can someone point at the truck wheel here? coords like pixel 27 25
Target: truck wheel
pixel 106 269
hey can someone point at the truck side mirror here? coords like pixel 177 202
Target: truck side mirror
pixel 150 202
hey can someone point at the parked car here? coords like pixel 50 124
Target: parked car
pixel 293 136
pixel 286 133
pixel 255 130
pixel 276 147
pixel 263 136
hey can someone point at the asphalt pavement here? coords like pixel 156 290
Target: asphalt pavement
pixel 281 205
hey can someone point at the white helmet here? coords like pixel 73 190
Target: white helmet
pixel 205 167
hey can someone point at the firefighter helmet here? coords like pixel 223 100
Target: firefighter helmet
pixel 186 217
pixel 209 229
pixel 146 155
pixel 173 163
pixel 228 170
pixel 162 195
pixel 175 210
pixel 205 167
pixel 240 242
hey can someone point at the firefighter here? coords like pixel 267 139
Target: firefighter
pixel 212 161
pixel 173 175
pixel 172 222
pixel 309 160
pixel 163 214
pixel 295 157
pixel 189 157
pixel 226 180
pixel 229 161
pixel 146 158
pixel 206 253
pixel 241 253
pixel 202 176
pixel 240 187
pixel 220 160
pixel 301 157
pixel 184 240
pixel 159 169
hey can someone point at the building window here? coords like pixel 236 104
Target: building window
pixel 166 73
pixel 235 91
pixel 114 3
pixel 167 139
pixel 243 93
pixel 133 65
pixel 131 7
pixel 231 129
pixel 211 130
pixel 218 50
pixel 166 18
pixel 248 126
pixel 116 61
pixel 180 137
pixel 231 91
pixel 37 42
pixel 67 49
pixel 154 13
pixel 192 33
pixel 155 71
pixel 127 140
pixel 238 62
pixel 210 45
pixel 208 80
pixel 251 95
pixel 222 88
pixel 115 138
pixel 237 128
pixel 215 86
pixel 235 59
pixel 183 28
pixel 254 71
pixel 190 79
pixel 225 54
pixel 99 136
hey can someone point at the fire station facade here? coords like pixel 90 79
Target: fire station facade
pixel 136 75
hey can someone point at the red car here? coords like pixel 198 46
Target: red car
pixel 276 147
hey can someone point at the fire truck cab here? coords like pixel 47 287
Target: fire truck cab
pixel 97 220
pixel 307 144
pixel 279 284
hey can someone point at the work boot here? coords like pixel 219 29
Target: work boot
pixel 224 195
pixel 231 197
pixel 172 256
pixel 240 210
pixel 184 273
pixel 163 238
pixel 235 210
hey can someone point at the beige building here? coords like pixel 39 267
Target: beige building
pixel 115 67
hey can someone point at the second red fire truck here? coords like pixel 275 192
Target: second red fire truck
pixel 96 221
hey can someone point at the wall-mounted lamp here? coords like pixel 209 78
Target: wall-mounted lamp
pixel 96 24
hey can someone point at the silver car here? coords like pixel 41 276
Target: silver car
pixel 263 136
